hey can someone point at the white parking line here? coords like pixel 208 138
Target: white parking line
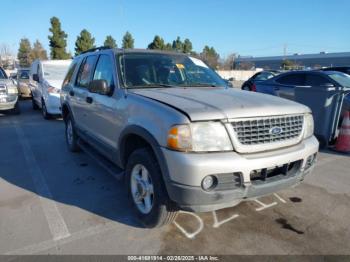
pixel 46 245
pixel 53 216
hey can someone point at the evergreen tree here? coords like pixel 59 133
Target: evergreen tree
pixel 168 47
pixel 58 40
pixel 178 45
pixel 110 42
pixel 210 56
pixel 128 41
pixel 157 43
pixel 24 53
pixel 84 42
pixel 38 51
pixel 187 46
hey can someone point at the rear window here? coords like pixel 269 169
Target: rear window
pixel 291 79
pixel 24 74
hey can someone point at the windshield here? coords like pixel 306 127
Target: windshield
pixel 55 72
pixel 24 74
pixel 2 74
pixel 341 78
pixel 143 70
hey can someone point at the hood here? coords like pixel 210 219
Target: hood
pixel 55 83
pixel 218 103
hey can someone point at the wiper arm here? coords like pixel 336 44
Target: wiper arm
pixel 200 85
pixel 151 86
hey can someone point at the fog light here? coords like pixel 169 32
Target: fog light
pixel 209 182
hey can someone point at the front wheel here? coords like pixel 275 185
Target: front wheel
pixel 46 115
pixel 147 191
pixel 71 136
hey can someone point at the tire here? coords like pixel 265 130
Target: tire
pixel 16 110
pixel 247 88
pixel 71 135
pixel 34 105
pixel 141 164
pixel 44 112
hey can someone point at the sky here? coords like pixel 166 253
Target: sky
pixel 245 27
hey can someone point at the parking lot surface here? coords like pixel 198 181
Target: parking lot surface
pixel 56 202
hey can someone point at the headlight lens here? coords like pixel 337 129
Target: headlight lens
pixel 309 125
pixel 11 90
pixel 200 137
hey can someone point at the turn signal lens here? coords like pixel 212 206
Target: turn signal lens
pixel 179 138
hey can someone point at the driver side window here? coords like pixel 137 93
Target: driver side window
pixel 104 70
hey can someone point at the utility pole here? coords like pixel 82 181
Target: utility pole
pixel 284 51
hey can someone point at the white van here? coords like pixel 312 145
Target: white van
pixel 46 78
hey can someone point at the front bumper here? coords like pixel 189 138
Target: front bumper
pixel 9 104
pixel 187 170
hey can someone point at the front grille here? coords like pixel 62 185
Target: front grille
pixel 264 130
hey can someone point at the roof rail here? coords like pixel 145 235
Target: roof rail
pixel 96 49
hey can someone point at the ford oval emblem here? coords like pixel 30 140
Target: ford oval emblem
pixel 276 130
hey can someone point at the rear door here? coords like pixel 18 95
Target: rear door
pixel 286 84
pixel 78 96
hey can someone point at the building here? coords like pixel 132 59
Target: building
pixel 300 61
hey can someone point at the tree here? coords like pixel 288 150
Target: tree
pixel 210 56
pixel 178 45
pixel 58 40
pixel 6 55
pixel 128 41
pixel 168 47
pixel 84 42
pixel 157 43
pixel 289 65
pixel 187 46
pixel 38 51
pixel 24 53
pixel 110 42
pixel 228 62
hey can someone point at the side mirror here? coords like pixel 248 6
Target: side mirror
pixel 36 77
pixel 100 87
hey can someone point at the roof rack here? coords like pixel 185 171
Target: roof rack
pixel 96 49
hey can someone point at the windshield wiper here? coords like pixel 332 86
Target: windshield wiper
pixel 199 85
pixel 151 86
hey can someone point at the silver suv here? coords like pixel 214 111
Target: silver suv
pixel 8 94
pixel 184 139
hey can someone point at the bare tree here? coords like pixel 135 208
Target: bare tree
pixel 6 54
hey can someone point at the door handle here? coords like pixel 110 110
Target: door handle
pixel 89 100
pixel 71 93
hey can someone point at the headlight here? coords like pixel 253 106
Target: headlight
pixel 309 125
pixel 199 137
pixel 11 90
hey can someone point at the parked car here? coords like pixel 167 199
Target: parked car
pixel 249 85
pixel 284 84
pixel 8 94
pixel 184 139
pixel 343 69
pixel 22 81
pixel 45 82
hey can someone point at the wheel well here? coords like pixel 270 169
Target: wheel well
pixel 130 144
pixel 65 112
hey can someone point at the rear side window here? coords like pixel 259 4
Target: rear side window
pixel 315 80
pixel 104 70
pixel 70 73
pixel 264 76
pixel 291 79
pixel 85 72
